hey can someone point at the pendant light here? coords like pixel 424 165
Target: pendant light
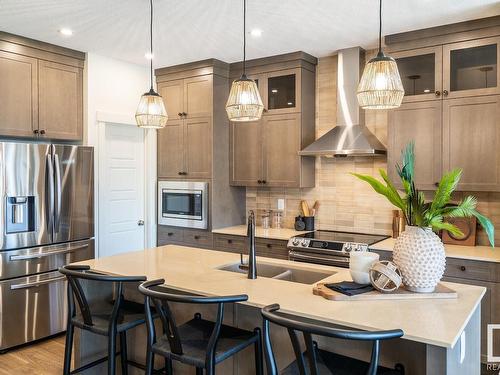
pixel 380 86
pixel 151 112
pixel 244 102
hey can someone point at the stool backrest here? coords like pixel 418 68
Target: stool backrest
pixel 159 300
pixel 269 314
pixel 75 273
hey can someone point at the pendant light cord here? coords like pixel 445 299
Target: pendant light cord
pixel 380 27
pixel 244 35
pixel 151 43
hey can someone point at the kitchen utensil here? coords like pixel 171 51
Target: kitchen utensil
pixel 315 208
pixel 468 227
pixel 441 292
pixel 305 208
pixel 360 263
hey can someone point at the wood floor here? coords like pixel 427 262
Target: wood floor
pixel 43 358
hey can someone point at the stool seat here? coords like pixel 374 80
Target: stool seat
pixel 332 363
pixel 131 315
pixel 195 336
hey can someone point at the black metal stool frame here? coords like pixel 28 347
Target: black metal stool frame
pixel 160 301
pixel 309 329
pixel 75 291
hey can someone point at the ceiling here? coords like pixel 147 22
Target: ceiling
pixel 190 30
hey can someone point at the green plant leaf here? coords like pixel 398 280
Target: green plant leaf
pixel 445 188
pixel 487 225
pixel 407 171
pixel 464 209
pixel 380 188
pixel 392 188
pixel 437 223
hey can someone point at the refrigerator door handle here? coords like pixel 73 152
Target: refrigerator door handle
pixel 47 253
pixel 58 193
pixel 50 196
pixel 36 283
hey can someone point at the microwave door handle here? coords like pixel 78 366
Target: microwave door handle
pixel 57 194
pixel 49 196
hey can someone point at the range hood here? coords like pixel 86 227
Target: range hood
pixel 350 137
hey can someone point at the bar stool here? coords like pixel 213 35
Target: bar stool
pixel 104 318
pixel 200 343
pixel 321 361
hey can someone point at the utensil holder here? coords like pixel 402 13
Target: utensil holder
pixel 309 221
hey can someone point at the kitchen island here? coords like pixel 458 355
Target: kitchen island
pixel 441 336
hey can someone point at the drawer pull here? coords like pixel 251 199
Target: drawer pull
pixel 196 237
pixel 36 284
pixel 462 268
pixel 170 234
pixel 229 241
pixel 47 253
pixel 269 245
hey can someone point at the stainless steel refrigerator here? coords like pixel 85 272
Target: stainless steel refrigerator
pixel 47 220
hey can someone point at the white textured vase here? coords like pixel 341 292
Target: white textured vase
pixel 419 254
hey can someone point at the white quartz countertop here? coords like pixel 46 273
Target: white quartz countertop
pixel 436 322
pixel 271 233
pixel 481 253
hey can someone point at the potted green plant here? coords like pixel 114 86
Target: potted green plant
pixel 418 251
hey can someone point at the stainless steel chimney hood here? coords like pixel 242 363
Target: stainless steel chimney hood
pixel 350 137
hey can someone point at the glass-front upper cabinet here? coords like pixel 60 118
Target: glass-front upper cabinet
pixel 282 91
pixel 471 68
pixel 421 73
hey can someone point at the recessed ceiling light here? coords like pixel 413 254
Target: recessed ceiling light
pixel 274 91
pixel 65 31
pixel 149 55
pixel 427 90
pixel 289 103
pixel 256 33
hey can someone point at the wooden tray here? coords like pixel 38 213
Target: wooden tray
pixel 441 291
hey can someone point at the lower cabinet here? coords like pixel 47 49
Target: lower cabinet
pixel 186 237
pixel 239 244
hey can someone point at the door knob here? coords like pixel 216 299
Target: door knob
pixel 445 92
pixel 140 222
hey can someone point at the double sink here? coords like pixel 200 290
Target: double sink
pixel 292 274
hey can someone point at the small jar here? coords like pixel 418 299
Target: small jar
pixel 265 220
pixel 277 218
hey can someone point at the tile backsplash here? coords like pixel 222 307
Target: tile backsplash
pixel 347 203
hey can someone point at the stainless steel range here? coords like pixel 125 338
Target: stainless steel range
pixel 329 247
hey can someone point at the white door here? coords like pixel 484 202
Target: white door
pixel 121 190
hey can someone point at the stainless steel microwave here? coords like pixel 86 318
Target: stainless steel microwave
pixel 183 204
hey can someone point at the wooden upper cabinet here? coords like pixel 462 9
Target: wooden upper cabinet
pixel 19 99
pixel 471 131
pixel 245 162
pixel 173 97
pixel 471 68
pixel 420 122
pixel 198 147
pixel 198 96
pixel 282 91
pixel 171 149
pixel 421 73
pixel 281 138
pixel 60 101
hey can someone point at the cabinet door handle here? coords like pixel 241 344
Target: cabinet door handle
pixel 264 181
pixel 445 92
pixel 179 114
pixel 35 131
pixel 436 184
pixel 259 181
pixel 196 237
pixel 170 234
pixel 438 93
pixel 42 132
pixel 462 268
pixel 269 245
pixel 229 241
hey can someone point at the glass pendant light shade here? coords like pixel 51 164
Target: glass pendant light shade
pixel 151 112
pixel 380 86
pixel 244 102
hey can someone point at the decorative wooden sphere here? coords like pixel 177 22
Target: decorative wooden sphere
pixel 385 276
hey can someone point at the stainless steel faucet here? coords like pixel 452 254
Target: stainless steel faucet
pixel 252 264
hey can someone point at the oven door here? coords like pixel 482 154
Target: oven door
pixel 323 259
pixel 183 204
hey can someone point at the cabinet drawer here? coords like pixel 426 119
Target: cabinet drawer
pixel 470 269
pixel 198 238
pixel 271 248
pixel 169 235
pixel 234 244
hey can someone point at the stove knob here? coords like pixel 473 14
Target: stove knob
pixel 305 242
pixel 347 247
pixel 295 242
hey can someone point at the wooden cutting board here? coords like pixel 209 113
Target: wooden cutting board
pixel 441 291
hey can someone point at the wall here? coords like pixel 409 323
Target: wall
pixel 112 91
pixel 347 203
